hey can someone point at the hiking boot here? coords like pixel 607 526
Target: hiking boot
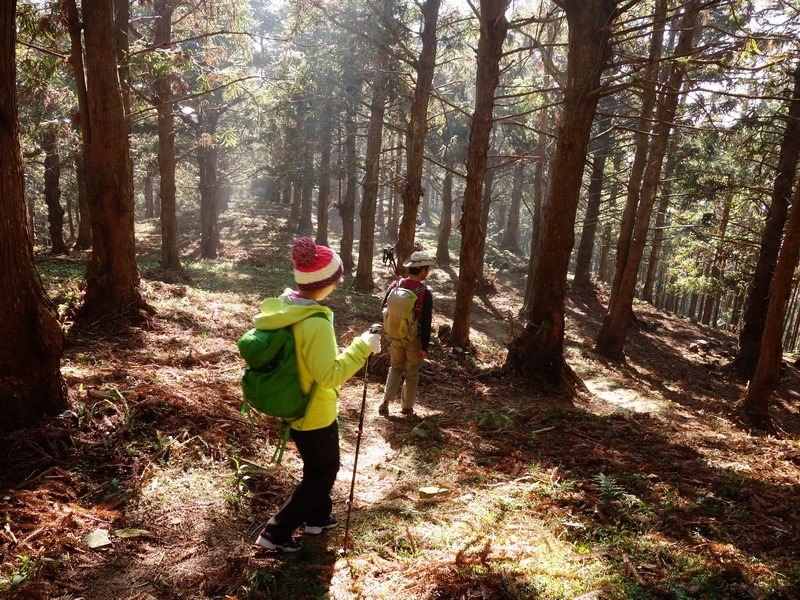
pixel 383 409
pixel 407 412
pixel 266 541
pixel 317 529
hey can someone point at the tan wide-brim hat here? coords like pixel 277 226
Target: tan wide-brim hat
pixel 419 259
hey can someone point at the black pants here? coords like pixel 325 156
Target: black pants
pixel 310 502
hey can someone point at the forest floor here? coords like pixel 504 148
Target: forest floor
pixel 153 486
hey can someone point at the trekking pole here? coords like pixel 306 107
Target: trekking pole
pixel 375 328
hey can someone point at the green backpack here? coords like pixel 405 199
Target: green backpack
pixel 270 383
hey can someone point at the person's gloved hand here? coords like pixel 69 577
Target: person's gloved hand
pixel 373 340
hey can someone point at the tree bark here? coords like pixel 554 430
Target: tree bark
pixel 614 331
pixel 658 233
pixel 149 194
pixel 52 191
pixel 324 195
pixel 715 271
pixel 756 402
pixel 641 144
pixel 369 199
pixel 307 191
pixel 83 241
pixel 510 239
pixel 494 28
pixel 583 262
pixel 744 363
pixel 418 129
pixel 486 207
pixel 541 159
pixel 347 204
pixel 446 223
pixel 112 276
pixel 539 352
pixel 170 257
pixel 31 341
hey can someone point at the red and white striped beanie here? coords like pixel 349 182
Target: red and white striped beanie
pixel 315 267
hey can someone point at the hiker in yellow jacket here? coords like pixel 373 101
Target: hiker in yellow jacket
pixel 317 270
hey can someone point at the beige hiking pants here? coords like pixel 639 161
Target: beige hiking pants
pixel 404 363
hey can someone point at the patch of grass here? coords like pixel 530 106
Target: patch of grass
pixel 23 570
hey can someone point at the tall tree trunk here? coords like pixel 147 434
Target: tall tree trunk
pixel 52 191
pixel 510 239
pixel 73 24
pixel 658 232
pixel 209 231
pixel 347 204
pixel 170 257
pixel 297 170
pixel 494 28
pixel 149 195
pixel 614 331
pixel 31 340
pixel 744 364
pixel 715 271
pixel 603 268
pixel 583 262
pixel 539 352
pixel 83 241
pixel 418 130
pixel 486 207
pixel 446 224
pixel 766 378
pixel 112 276
pixel 369 199
pixel 541 159
pixel 641 143
pixel 324 195
pixel 306 193
pixel 393 222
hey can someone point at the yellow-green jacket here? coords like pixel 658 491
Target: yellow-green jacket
pixel 318 357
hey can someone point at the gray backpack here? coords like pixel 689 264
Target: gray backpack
pixel 400 315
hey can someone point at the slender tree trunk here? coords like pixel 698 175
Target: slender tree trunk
pixel 614 331
pixel 369 200
pixel 112 276
pixel 603 268
pixel 756 402
pixel 583 262
pixel 418 130
pixel 494 28
pixel 324 196
pixel 306 193
pixel 486 207
pixel 641 145
pixel 715 271
pixel 170 257
pixel 541 158
pixel 347 204
pixel 149 196
pixel 298 172
pixel 31 340
pixel 72 20
pixel 446 224
pixel 209 232
pixel 539 352
pixel 744 364
pixel 52 191
pixel 658 232
pixel 83 241
pixel 510 239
